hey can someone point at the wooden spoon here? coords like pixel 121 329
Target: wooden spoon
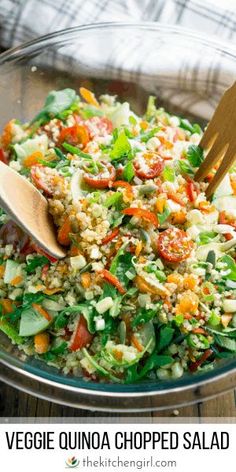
pixel 29 209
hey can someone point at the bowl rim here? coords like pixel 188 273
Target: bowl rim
pixel 31 46
pixel 206 40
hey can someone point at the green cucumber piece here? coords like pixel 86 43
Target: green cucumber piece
pixel 32 323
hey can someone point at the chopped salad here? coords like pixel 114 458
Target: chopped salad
pixel 147 289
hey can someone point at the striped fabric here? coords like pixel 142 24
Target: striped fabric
pixel 23 20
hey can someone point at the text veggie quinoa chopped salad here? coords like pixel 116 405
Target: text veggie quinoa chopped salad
pixel 148 287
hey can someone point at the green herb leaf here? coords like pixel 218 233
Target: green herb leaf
pixel 60 154
pixel 229 261
pixel 195 155
pixel 56 102
pixel 162 217
pixel 151 107
pixel 195 128
pixel 128 172
pixel 121 147
pixel 37 261
pixel 165 337
pixel 206 237
pixel 168 174
pixel 77 151
pixel 115 199
pixel 143 317
pixel 184 167
pixel 149 134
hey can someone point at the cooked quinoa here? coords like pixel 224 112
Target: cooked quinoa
pixel 147 289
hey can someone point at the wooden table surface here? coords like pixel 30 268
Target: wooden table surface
pixel 17 404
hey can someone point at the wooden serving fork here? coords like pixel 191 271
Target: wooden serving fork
pixel 219 140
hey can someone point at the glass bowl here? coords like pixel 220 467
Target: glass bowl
pixel 188 73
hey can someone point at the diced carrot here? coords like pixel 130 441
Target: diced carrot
pixel 16 281
pixel 41 343
pixel 190 282
pixel 233 184
pixel 187 316
pixel 136 343
pixel 41 311
pixel 88 96
pixel 64 233
pixel 199 331
pixel 144 124
pixel 7 134
pixel 188 303
pixel 160 204
pixel 138 248
pixel 118 355
pixel 206 207
pixel 33 159
pixel 86 279
pixel 2 270
pixel 74 250
pixel 7 305
pixel 175 278
pixel 179 218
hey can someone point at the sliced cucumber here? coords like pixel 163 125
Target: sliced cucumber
pixel 12 270
pixel 32 323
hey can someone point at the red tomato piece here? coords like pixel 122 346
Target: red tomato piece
pixel 140 213
pixel 3 156
pixel 111 236
pixel 227 220
pixel 191 190
pixel 174 245
pixel 81 336
pixel 153 166
pixel 102 180
pixel 99 126
pixel 194 365
pixel 42 179
pixel 74 135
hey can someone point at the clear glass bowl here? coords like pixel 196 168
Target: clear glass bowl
pixel 188 74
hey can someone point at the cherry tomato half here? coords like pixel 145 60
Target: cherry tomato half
pixel 102 180
pixel 152 167
pixel 81 336
pixel 42 179
pixel 74 135
pixel 174 245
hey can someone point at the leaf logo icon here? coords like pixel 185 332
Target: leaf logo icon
pixel 72 463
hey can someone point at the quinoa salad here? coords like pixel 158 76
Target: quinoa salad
pixel 147 290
